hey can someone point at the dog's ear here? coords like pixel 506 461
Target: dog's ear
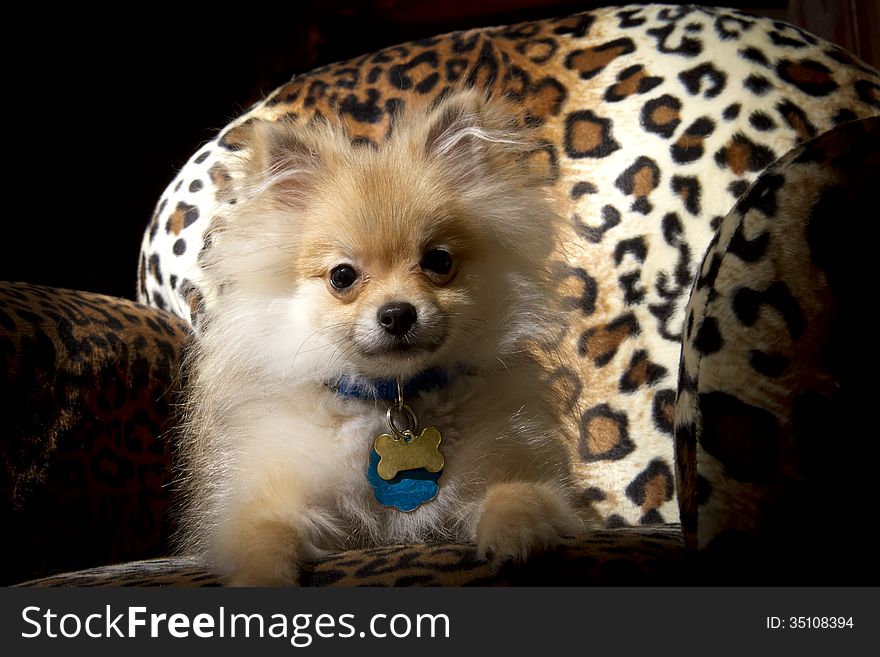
pixel 282 158
pixel 467 129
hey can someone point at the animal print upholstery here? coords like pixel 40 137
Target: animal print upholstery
pixel 775 433
pixel 637 556
pixel 654 119
pixel 85 397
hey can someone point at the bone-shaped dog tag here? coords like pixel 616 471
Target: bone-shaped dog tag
pixel 409 453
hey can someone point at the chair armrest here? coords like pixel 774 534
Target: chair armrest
pixel 776 455
pixel 85 396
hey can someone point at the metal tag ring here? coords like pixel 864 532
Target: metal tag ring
pixel 413 424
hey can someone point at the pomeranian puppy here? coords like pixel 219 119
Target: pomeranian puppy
pixel 363 374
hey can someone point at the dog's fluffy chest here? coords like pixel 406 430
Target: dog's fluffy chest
pixel 340 445
pixel 320 444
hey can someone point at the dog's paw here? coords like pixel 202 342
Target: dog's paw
pixel 521 518
pixel 269 554
pixel 263 574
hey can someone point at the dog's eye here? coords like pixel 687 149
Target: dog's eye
pixel 343 276
pixel 437 261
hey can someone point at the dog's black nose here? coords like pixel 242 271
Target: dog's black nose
pixel 397 317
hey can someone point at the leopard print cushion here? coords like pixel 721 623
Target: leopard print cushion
pixel 775 430
pixel 84 401
pixel 637 556
pixel 654 121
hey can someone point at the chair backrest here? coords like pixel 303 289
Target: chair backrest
pixel 655 120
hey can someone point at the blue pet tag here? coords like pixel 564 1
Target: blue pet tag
pixel 407 489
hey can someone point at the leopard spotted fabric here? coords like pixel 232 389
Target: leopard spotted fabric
pixel 774 427
pixel 627 556
pixel 86 396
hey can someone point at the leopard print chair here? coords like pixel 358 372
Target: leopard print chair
pixel 717 391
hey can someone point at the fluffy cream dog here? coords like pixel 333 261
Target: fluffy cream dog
pixel 341 269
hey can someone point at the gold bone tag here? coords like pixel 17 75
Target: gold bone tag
pixel 397 454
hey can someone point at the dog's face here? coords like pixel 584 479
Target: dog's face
pixel 386 262
pixel 394 273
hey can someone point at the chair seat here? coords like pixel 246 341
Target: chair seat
pixel 649 555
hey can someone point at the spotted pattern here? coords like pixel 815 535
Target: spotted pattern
pixel 774 403
pixel 631 556
pixel 85 397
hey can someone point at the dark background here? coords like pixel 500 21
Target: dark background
pixel 103 107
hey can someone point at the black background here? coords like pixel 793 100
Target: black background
pixel 103 106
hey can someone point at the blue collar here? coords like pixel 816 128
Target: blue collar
pixel 386 389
